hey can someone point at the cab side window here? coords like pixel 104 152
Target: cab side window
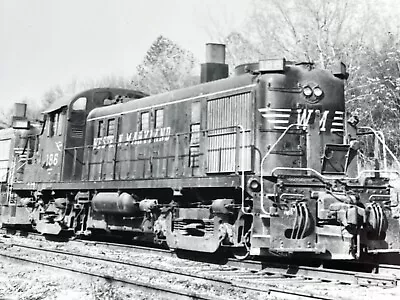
pixel 100 129
pixel 61 122
pixel 56 121
pixel 50 125
pixel 79 104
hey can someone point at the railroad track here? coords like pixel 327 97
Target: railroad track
pixel 250 276
pixel 388 278
pixel 225 278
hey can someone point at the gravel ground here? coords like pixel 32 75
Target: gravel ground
pixel 28 281
pixel 20 280
pixel 31 282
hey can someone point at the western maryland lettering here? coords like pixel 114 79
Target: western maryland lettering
pixel 135 138
pixel 281 118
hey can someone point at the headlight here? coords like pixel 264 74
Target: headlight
pixel 318 92
pixel 307 91
pixel 254 185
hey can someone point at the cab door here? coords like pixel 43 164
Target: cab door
pixel 75 137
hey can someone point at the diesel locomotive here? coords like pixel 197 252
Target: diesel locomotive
pixel 262 162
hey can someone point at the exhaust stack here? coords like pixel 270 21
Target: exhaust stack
pixel 19 120
pixel 20 110
pixel 215 67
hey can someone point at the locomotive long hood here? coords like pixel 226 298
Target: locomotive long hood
pixel 209 88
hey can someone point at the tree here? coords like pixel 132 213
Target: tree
pixel 165 67
pixel 320 31
pixel 323 31
pixel 240 50
pixel 76 86
pixel 375 92
pixel 32 112
pixel 51 95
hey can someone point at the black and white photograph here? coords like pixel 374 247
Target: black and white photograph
pixel 213 149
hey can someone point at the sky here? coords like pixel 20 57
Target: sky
pixel 44 43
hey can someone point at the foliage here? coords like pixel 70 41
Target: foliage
pixel 76 86
pixel 165 67
pixel 240 50
pixel 32 113
pixel 51 95
pixel 375 93
pixel 324 32
pixel 310 30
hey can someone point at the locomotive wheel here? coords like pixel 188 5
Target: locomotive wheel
pixel 242 252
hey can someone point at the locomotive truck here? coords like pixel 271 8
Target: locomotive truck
pixel 262 162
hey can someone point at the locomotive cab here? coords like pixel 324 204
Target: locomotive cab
pixel 60 152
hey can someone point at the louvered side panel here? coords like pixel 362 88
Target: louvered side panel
pixel 223 116
pixel 77 131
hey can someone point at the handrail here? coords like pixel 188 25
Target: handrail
pixel 242 166
pixel 262 163
pixel 242 147
pixel 10 179
pixel 177 135
pixel 11 168
pixel 323 177
pixel 379 135
pixel 168 135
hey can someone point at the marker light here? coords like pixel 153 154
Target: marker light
pixel 307 91
pixel 318 92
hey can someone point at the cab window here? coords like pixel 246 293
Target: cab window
pixel 61 121
pixel 79 104
pixel 50 126
pixel 100 129
pixel 55 125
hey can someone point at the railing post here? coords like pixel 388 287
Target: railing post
pixel 176 155
pixel 382 140
pixel 114 168
pixel 264 159
pixel 87 160
pixel 74 164
pixel 103 150
pixel 237 152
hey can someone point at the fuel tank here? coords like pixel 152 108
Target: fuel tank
pixel 115 204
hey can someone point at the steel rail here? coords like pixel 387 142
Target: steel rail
pixel 387 279
pixel 341 276
pixel 228 283
pixel 120 262
pixel 389 276
pixel 347 277
pixel 327 274
pixel 265 272
pixel 142 285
